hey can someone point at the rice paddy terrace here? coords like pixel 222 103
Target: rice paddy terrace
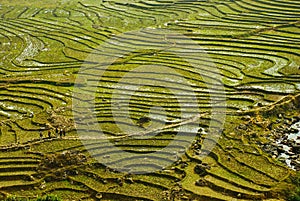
pixel 219 73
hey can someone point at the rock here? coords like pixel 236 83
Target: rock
pixel 206 165
pixel 242 127
pixel 183 165
pixel 277 121
pixel 270 126
pixel 294 157
pixel 72 172
pixel 246 118
pixel 201 182
pixel 197 146
pixel 43 186
pixel 201 169
pixel 280 149
pixel 259 104
pixel 184 197
pixel 293 163
pixel 181 151
pixel 178 184
pixel 200 130
pixel 290 153
pixel 120 181
pixel 130 180
pixel 274 144
pixel 293 130
pixel 197 151
pixel 99 195
pixel 29 178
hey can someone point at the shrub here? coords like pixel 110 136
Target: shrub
pixel 45 198
pixel 49 198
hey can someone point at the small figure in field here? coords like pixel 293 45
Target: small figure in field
pixel 41 135
pixel 49 134
pixel 64 132
pixel 61 133
pixel 56 132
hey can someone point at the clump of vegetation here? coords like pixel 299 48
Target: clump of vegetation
pixel 58 118
pixel 45 198
pixel 63 159
pixel 294 195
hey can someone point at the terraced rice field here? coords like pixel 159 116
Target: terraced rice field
pixel 169 84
